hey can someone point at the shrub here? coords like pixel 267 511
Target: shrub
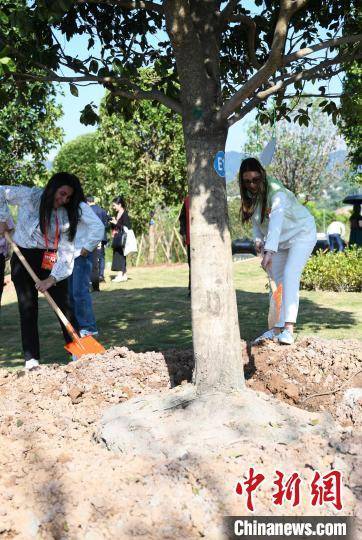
pixel 334 271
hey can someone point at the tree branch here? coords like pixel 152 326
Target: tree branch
pixel 280 85
pixel 287 9
pixel 250 23
pixel 289 58
pixel 126 4
pixel 227 13
pixel 151 95
pixel 134 92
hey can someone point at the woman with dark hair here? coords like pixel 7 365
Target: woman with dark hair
pixel 45 232
pixel 119 261
pixel 284 233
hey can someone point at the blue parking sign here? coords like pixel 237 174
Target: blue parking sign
pixel 219 163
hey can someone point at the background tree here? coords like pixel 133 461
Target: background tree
pixel 28 131
pixel 303 159
pixel 136 152
pixel 351 113
pixel 79 156
pixel 215 62
pixel 351 101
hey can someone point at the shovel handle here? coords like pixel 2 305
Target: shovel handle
pixel 50 300
pixel 272 284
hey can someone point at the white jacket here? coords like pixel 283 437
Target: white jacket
pixel 90 230
pixel 285 221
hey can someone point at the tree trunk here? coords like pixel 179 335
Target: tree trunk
pixel 194 32
pixel 216 336
pixel 151 236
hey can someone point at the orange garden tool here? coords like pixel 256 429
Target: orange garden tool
pixel 79 345
pixel 275 302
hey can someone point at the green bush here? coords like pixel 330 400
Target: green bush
pixel 334 271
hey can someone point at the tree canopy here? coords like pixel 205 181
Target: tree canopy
pixel 244 54
pixel 138 154
pixel 28 131
pixel 303 159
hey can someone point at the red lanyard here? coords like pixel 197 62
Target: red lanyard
pixel 56 241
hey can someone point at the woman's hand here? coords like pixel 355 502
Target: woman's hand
pixel 45 284
pixel 84 252
pixel 113 221
pixel 259 246
pixel 266 262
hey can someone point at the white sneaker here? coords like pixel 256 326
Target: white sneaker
pixel 285 337
pixel 120 277
pixel 31 364
pixel 85 333
pixel 269 334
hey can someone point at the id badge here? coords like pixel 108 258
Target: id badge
pixel 49 260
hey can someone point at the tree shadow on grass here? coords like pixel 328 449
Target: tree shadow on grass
pixel 152 319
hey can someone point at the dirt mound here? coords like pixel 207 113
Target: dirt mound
pixel 57 482
pixel 314 374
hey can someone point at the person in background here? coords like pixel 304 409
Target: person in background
pixel 99 256
pixel 90 233
pixel 45 230
pixel 184 220
pixel 4 250
pixel 335 232
pixel 119 261
pixel 284 233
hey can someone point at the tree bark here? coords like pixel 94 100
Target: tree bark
pixel 215 327
pixel 191 27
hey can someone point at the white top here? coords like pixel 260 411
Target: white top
pixel 284 223
pixel 90 230
pixel 27 230
pixel 336 227
pixel 28 235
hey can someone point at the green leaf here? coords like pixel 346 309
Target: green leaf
pixel 93 66
pixel 73 89
pixel 4 19
pixel 117 65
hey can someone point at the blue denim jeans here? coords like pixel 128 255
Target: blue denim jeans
pixel 80 297
pixel 335 242
pixel 102 260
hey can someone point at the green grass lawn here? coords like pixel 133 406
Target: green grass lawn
pixel 151 311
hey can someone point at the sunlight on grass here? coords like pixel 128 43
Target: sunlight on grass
pixel 151 311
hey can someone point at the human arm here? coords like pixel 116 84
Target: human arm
pixel 257 235
pixel 94 228
pixel 276 217
pixel 63 267
pixel 14 195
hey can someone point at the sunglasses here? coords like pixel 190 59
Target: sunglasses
pixel 255 180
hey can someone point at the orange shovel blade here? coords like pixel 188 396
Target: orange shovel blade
pixel 84 345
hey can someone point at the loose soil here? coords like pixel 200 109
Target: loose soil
pixel 58 482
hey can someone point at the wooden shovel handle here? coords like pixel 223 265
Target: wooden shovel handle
pixel 272 284
pixel 50 300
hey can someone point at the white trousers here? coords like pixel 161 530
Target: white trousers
pixel 287 267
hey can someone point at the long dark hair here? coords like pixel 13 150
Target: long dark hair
pixel 72 207
pixel 250 201
pixel 120 200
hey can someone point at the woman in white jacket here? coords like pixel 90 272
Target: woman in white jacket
pixel 47 222
pixel 285 235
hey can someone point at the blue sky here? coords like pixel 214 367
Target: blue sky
pixel 73 105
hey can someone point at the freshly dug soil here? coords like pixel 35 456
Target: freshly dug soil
pixel 58 482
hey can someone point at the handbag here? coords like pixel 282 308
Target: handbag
pixel 119 240
pixel 131 243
